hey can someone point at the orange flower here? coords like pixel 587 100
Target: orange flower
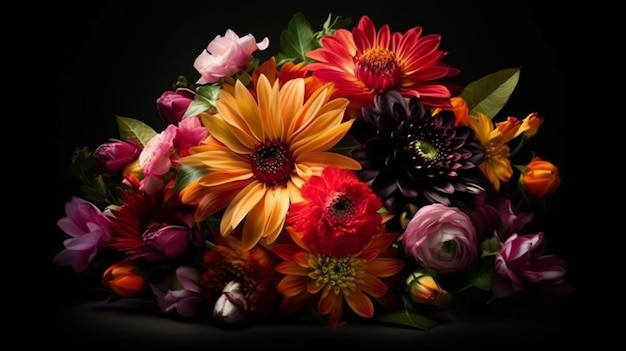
pixel 331 282
pixel 261 149
pixel 540 177
pixel 530 124
pixel 366 61
pixel 460 109
pixel 124 280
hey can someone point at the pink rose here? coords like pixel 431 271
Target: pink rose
pixel 172 105
pixel 441 238
pixel 227 55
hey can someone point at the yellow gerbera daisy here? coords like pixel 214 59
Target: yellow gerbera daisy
pixel 262 147
pixel 494 138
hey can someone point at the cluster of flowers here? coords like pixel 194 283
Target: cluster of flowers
pixel 341 176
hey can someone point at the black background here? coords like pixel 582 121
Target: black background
pixel 88 64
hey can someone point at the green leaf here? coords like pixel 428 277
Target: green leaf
pixel 345 145
pixel 186 175
pixel 131 128
pixel 481 275
pixel 408 318
pixel 330 27
pixel 296 40
pixel 82 162
pixel 490 246
pixel 489 94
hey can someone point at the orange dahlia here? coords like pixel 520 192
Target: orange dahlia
pixel 262 147
pixel 364 62
pixel 330 282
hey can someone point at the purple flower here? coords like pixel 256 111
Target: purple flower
pixel 441 238
pixel 179 294
pixel 521 263
pixel 172 105
pixel 114 155
pixel 88 228
pixel 165 243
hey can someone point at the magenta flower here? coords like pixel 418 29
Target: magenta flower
pixel 521 263
pixel 180 294
pixel 114 155
pixel 164 243
pixel 441 238
pixel 88 228
pixel 226 55
pixel 172 105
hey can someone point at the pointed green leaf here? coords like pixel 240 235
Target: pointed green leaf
pixel 489 94
pixel 408 318
pixel 131 128
pixel 329 27
pixel 296 40
pixel 186 175
pixel 206 97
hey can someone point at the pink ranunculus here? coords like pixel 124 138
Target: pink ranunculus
pixel 226 55
pixel 172 105
pixel 180 294
pixel 114 155
pixel 521 263
pixel 441 238
pixel 88 228
pixel 155 160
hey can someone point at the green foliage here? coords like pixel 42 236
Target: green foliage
pixel 408 318
pixel 131 128
pixel 481 274
pixel 206 98
pixel 489 94
pixel 299 37
pixel 185 175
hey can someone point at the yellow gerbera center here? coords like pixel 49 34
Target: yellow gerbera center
pixel 272 163
pixel 378 69
pixel 336 274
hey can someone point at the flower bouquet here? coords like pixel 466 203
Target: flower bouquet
pixel 345 177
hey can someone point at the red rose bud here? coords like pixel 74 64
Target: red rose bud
pixel 424 289
pixel 540 178
pixel 231 307
pixel 116 154
pixel 172 105
pixel 124 280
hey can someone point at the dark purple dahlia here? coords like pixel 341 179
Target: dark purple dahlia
pixel 410 156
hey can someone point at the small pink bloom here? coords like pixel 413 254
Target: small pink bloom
pixel 441 238
pixel 190 133
pixel 155 160
pixel 88 228
pixel 180 294
pixel 226 55
pixel 521 262
pixel 172 105
pixel 114 155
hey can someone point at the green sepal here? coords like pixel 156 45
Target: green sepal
pixel 329 27
pixel 296 40
pixel 130 128
pixel 489 94
pixel 490 247
pixel 185 175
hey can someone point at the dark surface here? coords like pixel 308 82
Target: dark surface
pixel 116 59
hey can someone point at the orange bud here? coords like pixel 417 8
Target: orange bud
pixel 540 178
pixel 530 124
pixel 424 289
pixel 123 279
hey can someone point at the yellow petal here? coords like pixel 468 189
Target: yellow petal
pixel 291 100
pixel 325 159
pixel 235 139
pixel 277 200
pixel 269 108
pixel 321 141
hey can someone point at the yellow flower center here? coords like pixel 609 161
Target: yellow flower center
pixel 336 274
pixel 378 69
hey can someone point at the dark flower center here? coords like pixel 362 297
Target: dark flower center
pixel 378 69
pixel 340 208
pixel 272 163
